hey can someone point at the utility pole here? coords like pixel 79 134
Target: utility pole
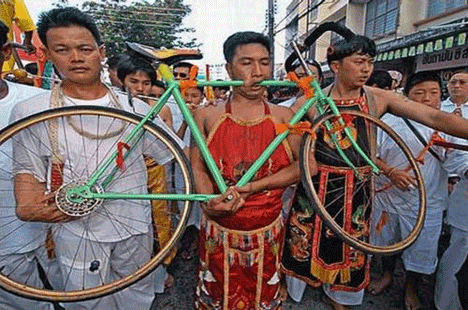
pixel 271 35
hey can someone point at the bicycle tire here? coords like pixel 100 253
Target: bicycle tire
pixel 324 206
pixel 100 118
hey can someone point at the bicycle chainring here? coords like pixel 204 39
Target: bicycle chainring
pixel 87 206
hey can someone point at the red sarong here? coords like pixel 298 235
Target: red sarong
pixel 240 253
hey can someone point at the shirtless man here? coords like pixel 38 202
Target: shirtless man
pixel 237 132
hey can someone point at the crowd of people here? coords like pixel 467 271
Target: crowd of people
pixel 246 239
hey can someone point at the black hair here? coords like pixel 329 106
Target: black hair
pixel 32 68
pixel 243 38
pixel 131 65
pixel 420 77
pixel 113 61
pixel 381 78
pixel 311 62
pixel 357 44
pixel 3 34
pixel 226 88
pixel 66 17
pixel 183 64
pixel 159 83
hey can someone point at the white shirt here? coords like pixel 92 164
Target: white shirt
pixel 15 236
pixel 434 172
pixel 457 213
pixel 115 220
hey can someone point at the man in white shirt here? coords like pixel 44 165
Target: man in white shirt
pixel 458 90
pixel 400 204
pixel 22 244
pixel 446 289
pixel 105 245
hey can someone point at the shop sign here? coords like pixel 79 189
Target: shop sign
pixel 461 38
pixel 404 52
pixel 397 54
pixel 449 42
pixel 429 47
pixel 448 58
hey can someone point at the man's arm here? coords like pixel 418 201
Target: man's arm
pixel 32 204
pixel 394 103
pixel 400 178
pixel 228 202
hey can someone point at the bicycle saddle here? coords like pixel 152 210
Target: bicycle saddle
pixel 167 56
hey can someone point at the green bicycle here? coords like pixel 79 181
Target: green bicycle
pixel 107 176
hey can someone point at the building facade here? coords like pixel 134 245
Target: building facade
pixel 411 35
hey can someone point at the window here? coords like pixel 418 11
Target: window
pixel 435 7
pixel 381 17
pixel 313 13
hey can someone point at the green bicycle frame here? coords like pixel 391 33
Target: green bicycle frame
pixel 320 101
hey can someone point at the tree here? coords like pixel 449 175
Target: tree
pixel 156 24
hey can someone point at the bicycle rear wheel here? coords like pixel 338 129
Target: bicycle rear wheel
pixel 356 207
pixel 84 137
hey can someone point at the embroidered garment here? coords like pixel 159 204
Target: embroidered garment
pixel 161 213
pixel 312 251
pixel 240 253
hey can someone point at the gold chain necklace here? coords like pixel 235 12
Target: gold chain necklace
pixel 58 100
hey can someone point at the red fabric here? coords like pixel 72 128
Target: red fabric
pixel 242 285
pixel 246 246
pixel 235 147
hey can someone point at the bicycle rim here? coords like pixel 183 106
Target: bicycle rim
pixel 350 203
pixel 159 224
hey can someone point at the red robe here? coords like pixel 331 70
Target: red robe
pixel 240 253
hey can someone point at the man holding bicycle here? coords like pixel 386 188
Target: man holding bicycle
pixel 343 270
pixel 242 230
pixel 112 243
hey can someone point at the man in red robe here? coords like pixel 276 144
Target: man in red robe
pixel 241 238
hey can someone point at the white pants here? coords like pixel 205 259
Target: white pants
pixel 446 287
pixel 297 287
pixel 86 263
pixel 23 268
pixel 421 256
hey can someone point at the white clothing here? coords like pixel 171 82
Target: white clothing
pixel 98 262
pixel 19 267
pixel 402 206
pixel 343 297
pixel 296 288
pixel 446 286
pixel 434 172
pixel 118 235
pixel 114 220
pixel 15 236
pixel 421 256
pixel 457 213
pixel 288 103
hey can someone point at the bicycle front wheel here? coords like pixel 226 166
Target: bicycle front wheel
pixel 357 205
pixel 109 244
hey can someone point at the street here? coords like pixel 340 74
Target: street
pixel 181 295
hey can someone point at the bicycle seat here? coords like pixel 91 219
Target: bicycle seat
pixel 167 56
